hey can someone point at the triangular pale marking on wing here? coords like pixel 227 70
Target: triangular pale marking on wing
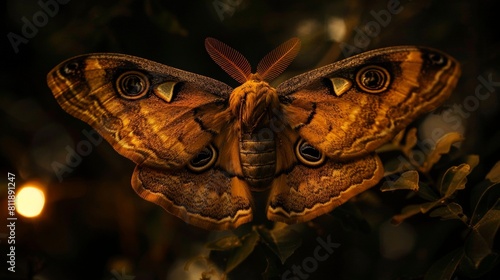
pixel 165 91
pixel 340 85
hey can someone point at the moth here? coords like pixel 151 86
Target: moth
pixel 204 150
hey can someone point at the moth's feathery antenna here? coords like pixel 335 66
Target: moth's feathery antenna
pixel 229 59
pixel 238 67
pixel 275 62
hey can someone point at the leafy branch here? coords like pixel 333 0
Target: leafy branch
pixel 476 255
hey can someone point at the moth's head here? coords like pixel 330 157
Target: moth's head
pixel 238 67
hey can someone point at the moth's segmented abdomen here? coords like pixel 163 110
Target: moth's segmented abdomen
pixel 258 160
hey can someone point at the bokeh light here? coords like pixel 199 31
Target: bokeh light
pixel 30 201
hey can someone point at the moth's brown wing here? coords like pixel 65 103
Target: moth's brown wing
pixel 159 117
pixel 146 128
pixel 349 108
pixel 213 199
pixel 301 192
pixel 345 111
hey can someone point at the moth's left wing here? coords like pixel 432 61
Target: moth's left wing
pixel 336 116
pixel 349 108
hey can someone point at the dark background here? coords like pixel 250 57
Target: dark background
pixel 95 227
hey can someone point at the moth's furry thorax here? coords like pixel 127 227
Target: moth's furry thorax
pixel 250 103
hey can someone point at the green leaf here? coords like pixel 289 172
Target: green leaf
pixel 468 269
pixel 398 138
pixel 454 179
pixel 443 146
pixel 414 209
pixel 283 241
pixel 483 196
pixel 451 211
pixel 444 268
pixel 224 243
pixel 427 193
pixel 249 241
pixel 479 242
pixel 407 181
pixel 489 223
pixel 472 160
pixel 410 141
pixel 476 248
pixel 494 174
